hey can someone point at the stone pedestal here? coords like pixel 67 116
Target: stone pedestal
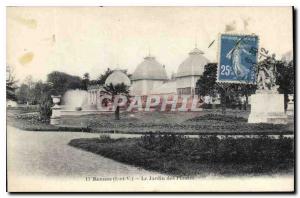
pixel 290 106
pixel 56 111
pixel 267 108
pixel 55 117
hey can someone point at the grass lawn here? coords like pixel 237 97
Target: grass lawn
pixel 204 122
pixel 180 122
pixel 206 155
pixel 29 120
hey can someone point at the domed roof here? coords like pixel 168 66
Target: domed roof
pixel 193 65
pixel 117 77
pixel 149 69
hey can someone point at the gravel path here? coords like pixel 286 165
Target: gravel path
pixel 47 154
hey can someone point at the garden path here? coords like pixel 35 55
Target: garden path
pixel 48 154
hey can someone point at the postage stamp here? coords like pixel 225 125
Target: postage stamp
pixel 126 99
pixel 238 57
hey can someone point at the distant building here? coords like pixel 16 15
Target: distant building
pixel 93 95
pixel 118 77
pixel 94 91
pixel 148 75
pixel 189 72
pixel 150 78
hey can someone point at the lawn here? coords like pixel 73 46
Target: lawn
pixel 180 122
pixel 206 155
pixel 204 122
pixel 29 120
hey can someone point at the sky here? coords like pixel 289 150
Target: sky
pixel 77 40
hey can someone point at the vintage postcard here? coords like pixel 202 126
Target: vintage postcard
pixel 150 99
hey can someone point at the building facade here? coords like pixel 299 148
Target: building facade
pixel 148 75
pixel 150 78
pixel 189 72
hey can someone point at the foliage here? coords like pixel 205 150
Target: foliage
pixel 40 92
pixel 217 117
pixel 45 107
pixel 10 84
pixel 179 155
pixel 207 82
pixel 285 77
pixel 160 142
pixel 22 94
pixel 86 80
pixel 207 85
pixel 61 82
pixel 28 118
pixel 118 89
pixel 114 90
pixel 102 78
pixel 105 139
pixel 157 122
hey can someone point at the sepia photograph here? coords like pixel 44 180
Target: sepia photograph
pixel 150 99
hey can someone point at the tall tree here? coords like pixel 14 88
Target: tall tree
pixel 85 80
pixel 22 94
pixel 113 91
pixel 207 81
pixel 102 78
pixel 285 78
pixel 10 84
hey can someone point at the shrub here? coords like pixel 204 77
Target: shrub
pixel 176 154
pixel 45 107
pixel 218 117
pixel 161 142
pixel 105 139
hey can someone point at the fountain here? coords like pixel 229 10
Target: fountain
pixel 75 100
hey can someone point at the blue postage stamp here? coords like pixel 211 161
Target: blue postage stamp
pixel 238 58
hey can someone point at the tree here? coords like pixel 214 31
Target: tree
pixel 244 90
pixel 61 82
pixel 10 84
pixel 22 94
pixel 29 81
pixel 285 78
pixel 38 91
pixel 102 78
pixel 206 84
pixel 113 91
pixel 85 80
pixel 44 91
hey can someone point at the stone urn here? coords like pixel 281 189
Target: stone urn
pixel 56 100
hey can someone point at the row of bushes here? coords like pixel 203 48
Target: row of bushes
pixel 225 149
pixel 179 155
pixel 207 127
pixel 217 117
